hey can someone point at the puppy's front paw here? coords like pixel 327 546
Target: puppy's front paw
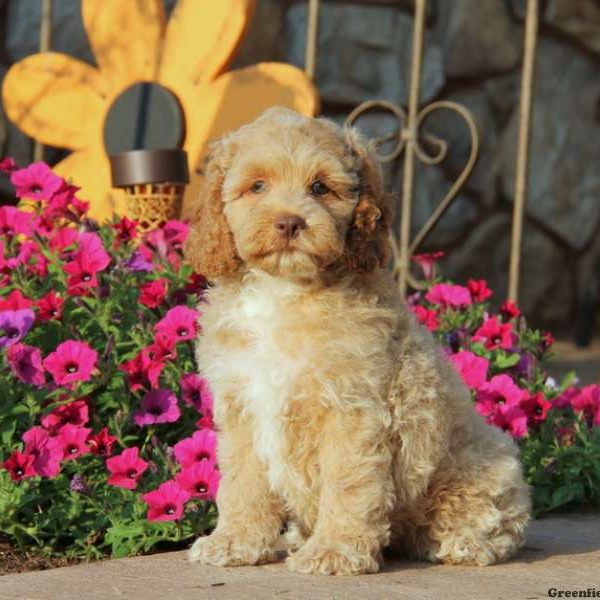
pixel 229 550
pixel 327 559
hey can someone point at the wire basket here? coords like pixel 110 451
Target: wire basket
pixel 153 204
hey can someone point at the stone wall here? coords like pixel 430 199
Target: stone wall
pixel 472 55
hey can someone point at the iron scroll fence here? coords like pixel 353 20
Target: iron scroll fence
pixel 408 137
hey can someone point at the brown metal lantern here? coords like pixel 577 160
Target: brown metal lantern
pixel 154 183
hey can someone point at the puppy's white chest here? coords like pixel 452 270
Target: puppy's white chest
pixel 269 367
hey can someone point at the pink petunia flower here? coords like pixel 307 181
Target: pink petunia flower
pixel 14 221
pixel 101 443
pixel 14 326
pixel 26 364
pixel 536 408
pixel 142 371
pixel 72 361
pixel 74 413
pixel 509 310
pixel 180 323
pixel 73 441
pixel 500 390
pixel 480 292
pixel 201 480
pixel 427 262
pixel 126 230
pixel 511 419
pixel 126 469
pixel 494 334
pixel 90 260
pixel 63 239
pixel 472 368
pixel 426 317
pixel 587 401
pixel 163 348
pixel 37 182
pixel 46 450
pixel 153 294
pixel 201 447
pixel 195 391
pixel 449 295
pixel 166 503
pixel 8 165
pixel 15 301
pixel 564 399
pixel 19 466
pixel 158 406
pixel 50 306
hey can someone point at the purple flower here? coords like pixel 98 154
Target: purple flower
pixel 14 325
pixel 526 366
pixel 26 363
pixel 195 391
pixel 79 485
pixel 137 262
pixel 158 406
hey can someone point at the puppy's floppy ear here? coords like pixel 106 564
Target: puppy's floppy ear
pixel 367 240
pixel 210 247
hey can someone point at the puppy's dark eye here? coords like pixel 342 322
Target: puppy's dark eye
pixel 318 188
pixel 258 187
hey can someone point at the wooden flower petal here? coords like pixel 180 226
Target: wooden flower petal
pixel 90 170
pixel 55 99
pixel 201 38
pixel 125 36
pixel 236 98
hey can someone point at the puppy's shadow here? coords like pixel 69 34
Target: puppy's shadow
pixel 546 537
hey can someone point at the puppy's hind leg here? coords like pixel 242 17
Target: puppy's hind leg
pixel 476 521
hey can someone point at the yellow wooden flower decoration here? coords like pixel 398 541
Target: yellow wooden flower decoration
pixel 64 102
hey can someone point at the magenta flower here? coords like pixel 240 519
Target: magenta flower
pixel 494 334
pixel 50 306
pixel 509 310
pixel 46 450
pixel 166 503
pixel 427 262
pixel 587 401
pixel 163 348
pixel 564 399
pixel 37 182
pixel 201 480
pixel 426 317
pixel 26 363
pixel 153 294
pixel 176 232
pixel 180 323
pixel 15 301
pixel 143 371
pixel 101 443
pixel 448 295
pixel 158 406
pixel 195 391
pixel 74 413
pixel 126 469
pixel 511 419
pixel 14 325
pixel 201 447
pixel 536 407
pixel 19 466
pixel 71 361
pixel 65 237
pixel 480 292
pixel 14 221
pixel 472 368
pixel 500 390
pixel 8 165
pixel 73 441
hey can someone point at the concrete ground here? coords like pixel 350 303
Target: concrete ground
pixel 584 361
pixel 562 553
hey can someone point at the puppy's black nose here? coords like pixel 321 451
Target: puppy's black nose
pixel 289 225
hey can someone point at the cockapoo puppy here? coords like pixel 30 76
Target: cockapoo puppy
pixel 338 417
